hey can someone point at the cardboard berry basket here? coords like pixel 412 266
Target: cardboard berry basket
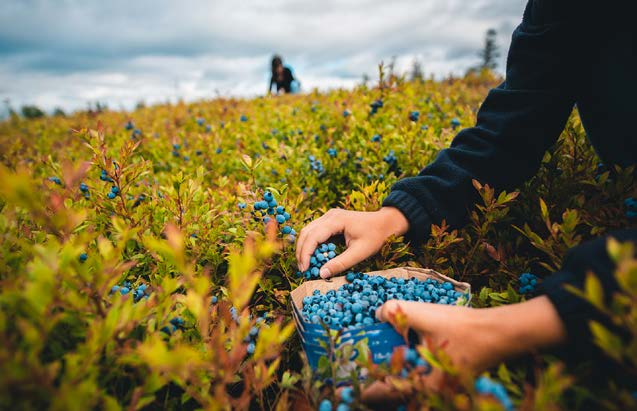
pixel 382 338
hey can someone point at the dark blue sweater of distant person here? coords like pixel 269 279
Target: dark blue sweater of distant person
pixel 287 83
pixel 564 53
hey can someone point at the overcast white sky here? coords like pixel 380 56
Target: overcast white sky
pixel 68 53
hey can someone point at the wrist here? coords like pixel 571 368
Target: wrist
pixel 393 221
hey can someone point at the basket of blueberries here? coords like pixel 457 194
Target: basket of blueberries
pixel 348 303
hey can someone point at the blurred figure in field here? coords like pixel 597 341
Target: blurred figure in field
pixel 283 77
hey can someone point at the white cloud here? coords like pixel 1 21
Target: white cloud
pixel 71 52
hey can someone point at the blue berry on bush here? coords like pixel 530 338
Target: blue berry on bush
pixel 528 282
pixel 83 188
pixel 376 138
pixel 83 257
pixel 111 195
pixel 56 180
pixel 455 123
pixel 251 348
pixel 347 395
pixel 325 405
pixel 243 118
pixel 486 386
pixel 414 116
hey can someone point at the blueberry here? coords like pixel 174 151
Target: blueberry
pixel 111 195
pixel 326 405
pixel 83 257
pixel 347 395
pixel 251 348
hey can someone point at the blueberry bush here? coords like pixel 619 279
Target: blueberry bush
pixel 147 257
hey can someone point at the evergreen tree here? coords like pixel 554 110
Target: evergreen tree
pixel 416 71
pixel 490 53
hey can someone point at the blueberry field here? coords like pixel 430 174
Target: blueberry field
pixel 147 257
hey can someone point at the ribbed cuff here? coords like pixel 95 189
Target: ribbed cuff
pixel 419 221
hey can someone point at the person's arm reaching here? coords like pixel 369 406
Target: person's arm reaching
pixel 517 123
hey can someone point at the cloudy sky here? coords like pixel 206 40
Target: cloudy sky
pixel 69 53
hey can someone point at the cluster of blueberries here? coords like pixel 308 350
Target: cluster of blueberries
pixel 251 338
pixel 332 152
pixel 347 397
pixel 486 386
pixel 84 190
pixel 56 180
pixel 322 254
pixel 528 282
pixel 391 159
pixel 412 361
pixel 104 177
pixel 135 131
pixel 316 165
pixel 264 209
pixel 414 116
pixel 354 304
pixel 113 193
pixel 176 153
pixel 175 324
pixel 631 208
pixel 126 287
pixel 139 200
pixel 376 104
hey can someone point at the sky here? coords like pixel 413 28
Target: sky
pixel 71 53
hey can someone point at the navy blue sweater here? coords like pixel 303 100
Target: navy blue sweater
pixel 560 55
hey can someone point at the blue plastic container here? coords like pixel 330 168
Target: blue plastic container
pixel 382 338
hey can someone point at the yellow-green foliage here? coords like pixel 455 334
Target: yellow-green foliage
pixel 69 343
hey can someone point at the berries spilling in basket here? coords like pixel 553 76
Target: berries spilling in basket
pixel 354 304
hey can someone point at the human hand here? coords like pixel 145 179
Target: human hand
pixel 365 233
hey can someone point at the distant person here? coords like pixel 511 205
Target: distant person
pixel 283 77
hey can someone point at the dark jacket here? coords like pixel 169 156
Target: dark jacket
pixel 285 84
pixel 563 53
